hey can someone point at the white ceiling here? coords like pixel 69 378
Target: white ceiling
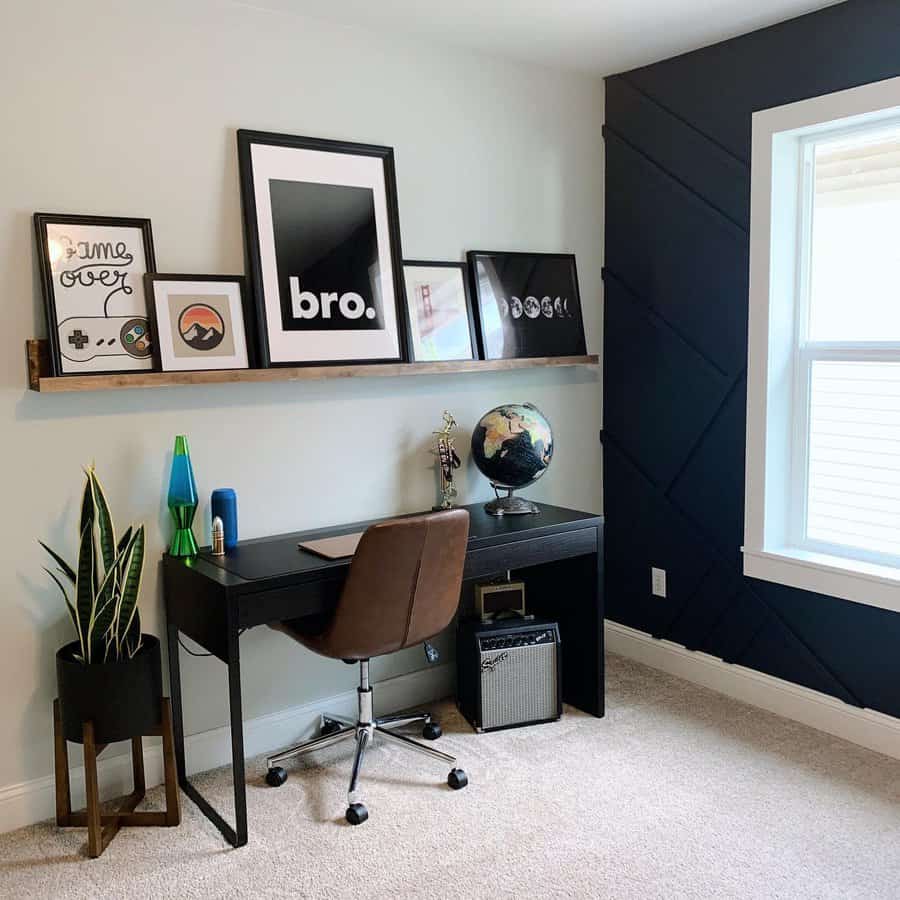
pixel 598 36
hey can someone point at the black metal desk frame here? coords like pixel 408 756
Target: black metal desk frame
pixel 559 554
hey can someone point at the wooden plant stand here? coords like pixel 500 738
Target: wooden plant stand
pixel 103 827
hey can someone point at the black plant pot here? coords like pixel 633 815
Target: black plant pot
pixel 122 699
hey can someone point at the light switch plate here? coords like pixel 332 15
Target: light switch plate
pixel 658 582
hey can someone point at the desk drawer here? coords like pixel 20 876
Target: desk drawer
pixel 533 552
pixel 294 602
pixel 319 596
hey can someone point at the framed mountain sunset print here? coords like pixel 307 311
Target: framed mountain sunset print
pixel 199 322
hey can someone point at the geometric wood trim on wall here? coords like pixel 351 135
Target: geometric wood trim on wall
pixel 676 268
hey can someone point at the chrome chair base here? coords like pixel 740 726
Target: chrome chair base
pixel 335 729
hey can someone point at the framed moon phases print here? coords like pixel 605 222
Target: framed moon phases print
pixel 527 304
pixel 323 249
pixel 91 271
pixel 199 322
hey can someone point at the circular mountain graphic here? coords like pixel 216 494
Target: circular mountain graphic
pixel 201 327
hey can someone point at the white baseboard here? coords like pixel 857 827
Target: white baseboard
pixel 34 801
pixel 866 727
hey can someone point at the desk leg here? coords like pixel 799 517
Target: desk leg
pixel 237 837
pixel 175 691
pixel 598 629
pixel 570 592
pixel 237 739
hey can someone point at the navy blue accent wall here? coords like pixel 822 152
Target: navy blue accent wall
pixel 677 237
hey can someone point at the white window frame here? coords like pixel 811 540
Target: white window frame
pixel 780 356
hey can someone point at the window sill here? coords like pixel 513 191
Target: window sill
pixel 850 579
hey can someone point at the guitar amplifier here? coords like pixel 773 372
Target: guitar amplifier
pixel 508 673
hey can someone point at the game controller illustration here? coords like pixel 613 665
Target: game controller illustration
pixel 84 337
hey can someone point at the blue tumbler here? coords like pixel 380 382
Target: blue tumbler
pixel 224 505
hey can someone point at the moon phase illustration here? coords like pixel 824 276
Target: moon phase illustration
pixel 557 305
pixel 515 307
pixel 547 307
pixel 532 307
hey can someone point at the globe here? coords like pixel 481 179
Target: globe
pixel 512 445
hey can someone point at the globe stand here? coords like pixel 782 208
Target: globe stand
pixel 509 505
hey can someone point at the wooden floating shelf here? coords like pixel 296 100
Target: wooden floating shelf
pixel 39 378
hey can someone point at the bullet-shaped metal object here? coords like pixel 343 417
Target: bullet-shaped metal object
pixel 218 537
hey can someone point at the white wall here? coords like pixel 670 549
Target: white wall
pixel 131 109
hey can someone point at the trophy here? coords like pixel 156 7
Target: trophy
pixel 447 460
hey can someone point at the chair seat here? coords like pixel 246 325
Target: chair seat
pixel 307 627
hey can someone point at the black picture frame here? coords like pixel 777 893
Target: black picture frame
pixel 248 139
pixel 544 331
pixel 41 221
pixel 247 318
pixel 467 295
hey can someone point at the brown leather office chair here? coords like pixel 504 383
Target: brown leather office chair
pixel 402 588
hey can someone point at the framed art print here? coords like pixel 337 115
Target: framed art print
pixel 91 271
pixel 323 248
pixel 438 311
pixel 527 304
pixel 198 322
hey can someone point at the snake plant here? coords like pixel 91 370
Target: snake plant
pixel 106 582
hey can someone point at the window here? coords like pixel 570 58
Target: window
pixel 823 391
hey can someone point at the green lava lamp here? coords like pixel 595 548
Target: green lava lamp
pixel 182 500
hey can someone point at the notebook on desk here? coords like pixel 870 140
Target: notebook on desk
pixel 333 547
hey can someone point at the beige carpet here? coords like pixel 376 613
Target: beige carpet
pixel 677 793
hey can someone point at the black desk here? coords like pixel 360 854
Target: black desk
pixel 559 554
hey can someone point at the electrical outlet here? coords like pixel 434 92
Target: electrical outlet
pixel 657 582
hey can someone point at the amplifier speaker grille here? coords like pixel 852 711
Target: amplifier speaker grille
pixel 518 685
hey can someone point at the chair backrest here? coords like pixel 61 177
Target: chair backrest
pixel 403 585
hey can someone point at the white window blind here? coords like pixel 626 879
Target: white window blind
pixel 854 456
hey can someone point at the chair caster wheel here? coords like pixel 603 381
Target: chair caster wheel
pixel 329 726
pixel 432 731
pixel 457 779
pixel 276 777
pixel 357 814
